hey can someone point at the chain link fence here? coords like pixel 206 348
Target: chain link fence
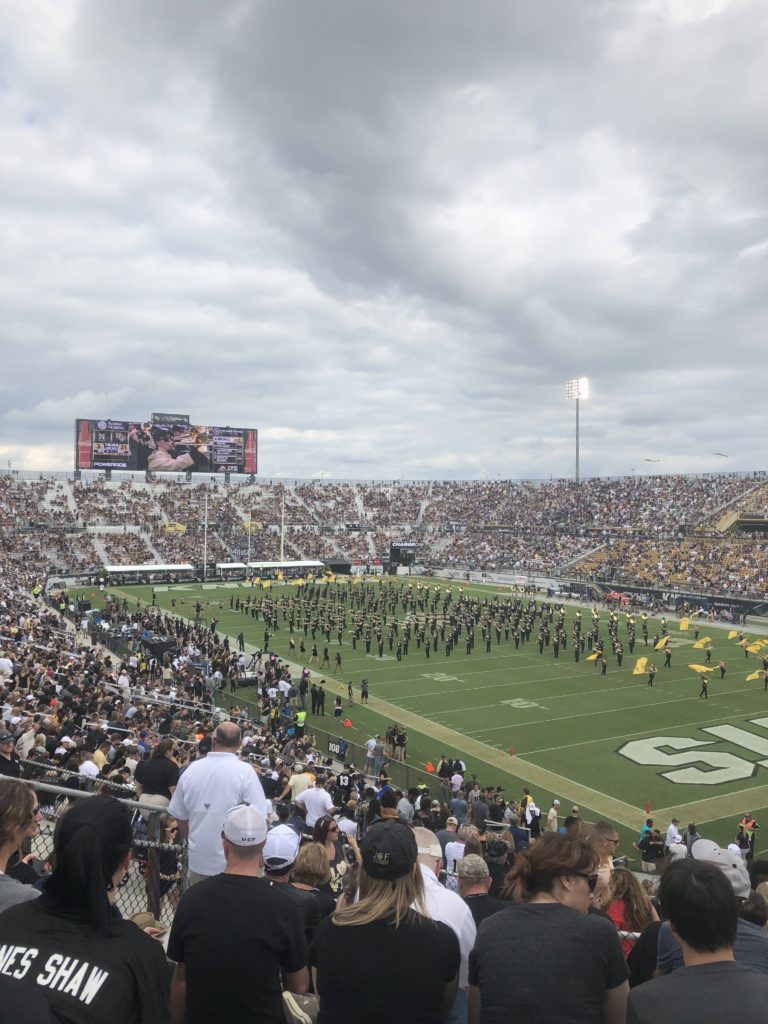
pixel 157 875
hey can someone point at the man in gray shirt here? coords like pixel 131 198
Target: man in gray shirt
pixel 479 811
pixel 405 806
pixel 750 946
pixel 701 909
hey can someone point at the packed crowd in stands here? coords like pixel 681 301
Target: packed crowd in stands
pixel 24 503
pixel 126 549
pixel 522 552
pixel 316 863
pixel 290 852
pixel 176 547
pixel 662 505
pixel 738 566
pixel 99 503
pixel 655 531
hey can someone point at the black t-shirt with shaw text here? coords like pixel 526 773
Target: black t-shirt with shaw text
pixel 85 976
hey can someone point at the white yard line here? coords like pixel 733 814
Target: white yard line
pixel 594 714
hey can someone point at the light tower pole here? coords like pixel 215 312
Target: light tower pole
pixel 576 388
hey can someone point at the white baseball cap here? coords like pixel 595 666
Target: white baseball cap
pixel 281 847
pixel 244 825
pixel 733 867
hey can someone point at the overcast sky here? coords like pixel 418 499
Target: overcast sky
pixel 386 234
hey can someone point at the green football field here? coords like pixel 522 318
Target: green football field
pixel 610 744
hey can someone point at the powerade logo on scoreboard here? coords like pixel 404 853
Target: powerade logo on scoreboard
pixel 694 766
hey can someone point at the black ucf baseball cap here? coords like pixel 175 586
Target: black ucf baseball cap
pixel 388 850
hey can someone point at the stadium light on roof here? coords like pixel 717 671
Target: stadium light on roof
pixel 576 388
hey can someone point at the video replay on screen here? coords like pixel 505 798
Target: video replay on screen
pixel 164 444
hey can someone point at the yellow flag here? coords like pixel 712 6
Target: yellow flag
pixel 754 648
pixel 701 668
pixel 683 625
pixel 593 657
pixel 662 643
pixel 267 584
pixel 732 633
pixel 742 643
pixel 639 668
pixel 753 676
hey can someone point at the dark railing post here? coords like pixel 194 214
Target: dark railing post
pixel 152 877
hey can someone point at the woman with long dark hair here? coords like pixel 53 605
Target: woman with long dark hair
pixel 72 945
pixel 630 909
pixel 340 853
pixel 156 778
pixel 547 956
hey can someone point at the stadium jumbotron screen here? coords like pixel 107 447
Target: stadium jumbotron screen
pixel 164 447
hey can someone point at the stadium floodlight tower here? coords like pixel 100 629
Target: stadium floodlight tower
pixel 577 388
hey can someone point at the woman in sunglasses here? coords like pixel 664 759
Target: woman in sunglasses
pixel 550 931
pixel 340 854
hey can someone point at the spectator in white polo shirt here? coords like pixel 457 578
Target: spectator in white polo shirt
pixel 205 792
pixel 317 802
pixel 448 907
pixel 454 850
pixel 87 765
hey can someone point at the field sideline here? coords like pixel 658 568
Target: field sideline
pixel 608 743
